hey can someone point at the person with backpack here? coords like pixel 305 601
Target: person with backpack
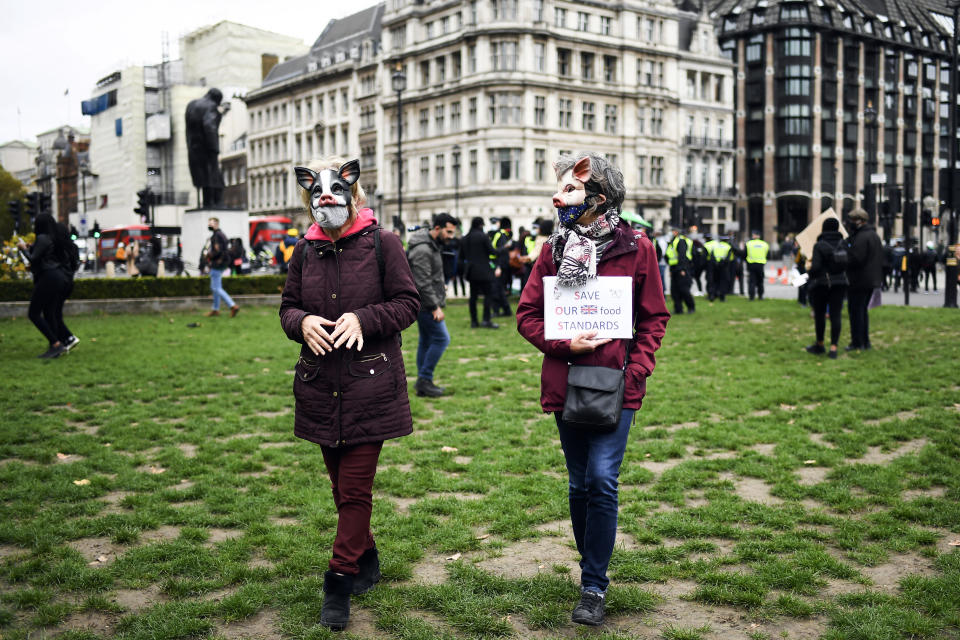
pixel 865 272
pixel 930 260
pixel 54 259
pixel 218 256
pixel 828 285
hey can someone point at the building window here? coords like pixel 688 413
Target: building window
pixel 424 122
pixel 648 29
pixel 504 9
pixel 539 110
pixel 796 43
pixel 586 66
pixel 505 108
pixel 424 172
pixel 504 55
pixel 566 113
pixel 455 59
pixel 424 73
pixel 539 164
pixel 440 170
pixel 472 113
pixel 589 116
pixel 641 120
pixel 538 10
pixel 398 37
pixel 438 117
pixel 429 30
pixel 563 62
pixel 583 21
pixel 455 116
pixel 441 69
pixel 659 74
pixel 656 171
pixel 472 58
pixel 754 51
pixel 641 170
pixel 648 73
pixel 793 11
pixel 610 118
pixel 605 25
pixel 610 68
pixel 559 17
pixel 474 174
pixel 656 121
pixel 539 57
pixel 504 164
pixel 691 125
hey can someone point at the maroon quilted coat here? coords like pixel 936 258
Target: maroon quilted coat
pixel 347 397
pixel 629 254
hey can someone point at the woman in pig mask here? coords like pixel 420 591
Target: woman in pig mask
pixel 592 241
pixel 349 293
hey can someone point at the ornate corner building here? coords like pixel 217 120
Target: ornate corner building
pixel 833 96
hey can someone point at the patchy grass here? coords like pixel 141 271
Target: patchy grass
pixel 150 487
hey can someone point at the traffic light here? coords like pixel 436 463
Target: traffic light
pixel 74 234
pixel 896 200
pixel 96 229
pixel 868 200
pixel 46 203
pixel 33 204
pixel 934 221
pixel 14 207
pixel 143 205
pixel 926 217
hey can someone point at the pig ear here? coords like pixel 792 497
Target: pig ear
pixel 350 171
pixel 305 177
pixel 581 170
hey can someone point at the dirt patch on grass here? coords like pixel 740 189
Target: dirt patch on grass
pixel 818 438
pixel 751 489
pixel 764 449
pixel 96 622
pixel 886 576
pixel 283 521
pixel 112 502
pixel 527 559
pixel 432 569
pixel 809 476
pixel 83 427
pixel 760 413
pixel 672 589
pixel 188 450
pixel 875 455
pixel 902 415
pixel 220 535
pixel 403 504
pixel 7 551
pixel 260 626
pixel 932 492
pixel 134 600
pixel 273 414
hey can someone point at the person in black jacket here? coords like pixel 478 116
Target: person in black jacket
pixel 219 259
pixel 481 274
pixel 49 261
pixel 827 285
pixel 865 273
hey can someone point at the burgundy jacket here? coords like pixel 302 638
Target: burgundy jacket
pixel 345 397
pixel 629 254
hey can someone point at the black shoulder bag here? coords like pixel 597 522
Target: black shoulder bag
pixel 595 396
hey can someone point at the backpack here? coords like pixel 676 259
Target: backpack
pixel 841 259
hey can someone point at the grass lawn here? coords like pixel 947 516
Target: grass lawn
pixel 151 487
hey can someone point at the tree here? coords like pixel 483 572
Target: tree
pixel 10 189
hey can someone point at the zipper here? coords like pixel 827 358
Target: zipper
pixel 339 442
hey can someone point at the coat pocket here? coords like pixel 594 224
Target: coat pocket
pixel 370 366
pixel 306 369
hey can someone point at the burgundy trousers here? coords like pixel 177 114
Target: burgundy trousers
pixel 351 472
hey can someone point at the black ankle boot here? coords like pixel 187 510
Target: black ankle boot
pixel 335 613
pixel 369 574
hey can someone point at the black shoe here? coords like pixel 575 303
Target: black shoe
pixel 474 324
pixel 426 387
pixel 53 352
pixel 335 613
pixel 589 610
pixel 851 347
pixel 816 349
pixel 369 574
pixel 71 342
pixel 832 354
pixel 486 324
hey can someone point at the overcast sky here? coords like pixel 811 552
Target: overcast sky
pixel 49 47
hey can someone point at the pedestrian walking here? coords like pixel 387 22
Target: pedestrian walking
pixel 757 252
pixel 480 271
pixel 827 284
pixel 865 273
pixel 592 242
pixel 284 251
pixel 52 266
pixel 502 242
pixel 679 255
pixel 218 257
pixel 425 254
pixel 929 263
pixel 348 295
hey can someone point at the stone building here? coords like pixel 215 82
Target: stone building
pixel 831 96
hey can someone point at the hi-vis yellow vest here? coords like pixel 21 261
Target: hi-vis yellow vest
pixel 671 255
pixel 757 251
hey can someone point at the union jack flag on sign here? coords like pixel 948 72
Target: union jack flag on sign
pixel 588 309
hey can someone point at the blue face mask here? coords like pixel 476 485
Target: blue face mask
pixel 569 215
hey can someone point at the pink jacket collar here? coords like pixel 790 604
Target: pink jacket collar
pixel 365 218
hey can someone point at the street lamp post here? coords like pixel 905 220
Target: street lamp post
pixel 399 83
pixel 869 120
pixel 456 181
pixel 950 291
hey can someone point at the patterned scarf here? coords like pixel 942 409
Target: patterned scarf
pixel 576 251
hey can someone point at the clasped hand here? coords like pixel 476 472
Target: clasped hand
pixel 346 330
pixel 586 342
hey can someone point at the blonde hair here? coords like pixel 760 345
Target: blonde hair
pixel 358 196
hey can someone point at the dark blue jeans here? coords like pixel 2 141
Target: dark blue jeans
pixel 593 466
pixel 434 339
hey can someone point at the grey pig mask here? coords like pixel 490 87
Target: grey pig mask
pixel 330 192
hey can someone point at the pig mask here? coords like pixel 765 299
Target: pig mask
pixel 330 192
pixel 576 194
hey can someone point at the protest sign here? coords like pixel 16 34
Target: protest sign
pixel 603 304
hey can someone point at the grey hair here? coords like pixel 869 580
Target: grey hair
pixel 607 178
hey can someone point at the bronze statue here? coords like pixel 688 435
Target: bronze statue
pixel 203 146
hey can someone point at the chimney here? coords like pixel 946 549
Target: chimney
pixel 267 62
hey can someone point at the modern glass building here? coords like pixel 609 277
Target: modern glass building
pixel 833 96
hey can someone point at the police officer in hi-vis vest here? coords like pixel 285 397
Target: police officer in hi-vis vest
pixel 757 251
pixel 721 260
pixel 679 257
